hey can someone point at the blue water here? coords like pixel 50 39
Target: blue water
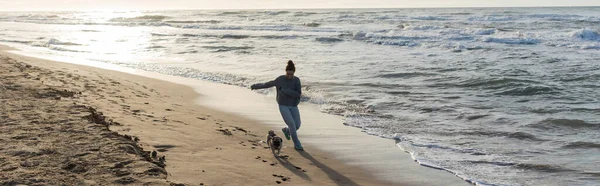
pixel 498 96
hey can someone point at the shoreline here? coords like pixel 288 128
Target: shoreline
pixel 192 137
pixel 361 164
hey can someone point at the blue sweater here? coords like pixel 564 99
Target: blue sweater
pixel 288 90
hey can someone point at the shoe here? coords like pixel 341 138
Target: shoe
pixel 286 133
pixel 299 147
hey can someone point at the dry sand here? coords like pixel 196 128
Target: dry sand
pixel 48 141
pixel 51 137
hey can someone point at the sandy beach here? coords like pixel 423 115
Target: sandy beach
pixel 78 125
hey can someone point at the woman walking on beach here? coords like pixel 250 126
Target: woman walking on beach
pixel 288 98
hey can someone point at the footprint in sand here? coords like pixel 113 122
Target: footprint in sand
pixel 163 148
pixel 225 132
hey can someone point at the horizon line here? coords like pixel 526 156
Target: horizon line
pixel 340 8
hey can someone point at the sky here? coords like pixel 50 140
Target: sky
pixel 33 5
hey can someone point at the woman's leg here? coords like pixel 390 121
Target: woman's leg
pixel 296 116
pixel 286 113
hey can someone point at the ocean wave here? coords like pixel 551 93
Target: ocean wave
pixel 52 16
pixel 303 14
pixel 279 37
pixel 398 92
pixel 555 17
pixel 64 49
pixel 490 18
pixel 39 16
pixel 188 52
pixel 189 22
pixel 224 36
pixel 57 42
pixel 458 38
pixel 457 13
pixel 523 136
pixel 513 135
pixel 227 48
pixel 486 31
pixel 375 37
pixel 577 77
pixel 53 41
pixel 453 149
pixel 590 47
pixel 593 174
pixel 260 28
pixel 232 13
pixel 497 163
pixel 593 110
pixel 571 123
pixel 256 28
pixel 541 167
pixel 52 44
pixel 396 43
pixel 90 30
pixel 194 35
pixel 356 35
pixel 159 34
pixel 514 41
pixel 528 91
pixel 154 18
pixel 311 24
pixel 347 16
pixel 391 36
pixel 422 27
pixel 586 34
pixel 582 145
pixel 328 39
pixel 15 41
pixel 234 36
pixel 155 47
pixel 546 111
pixel 406 75
pixel 553 60
pixel 478 116
pixel 495 83
pixel 277 12
pixel 431 18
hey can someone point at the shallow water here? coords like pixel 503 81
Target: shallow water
pixel 502 96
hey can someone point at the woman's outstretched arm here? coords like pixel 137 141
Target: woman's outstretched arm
pixel 263 85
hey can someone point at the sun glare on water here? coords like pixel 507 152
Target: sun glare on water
pixel 101 39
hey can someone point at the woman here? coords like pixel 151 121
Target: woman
pixel 288 98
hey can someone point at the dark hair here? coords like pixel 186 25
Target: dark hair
pixel 290 66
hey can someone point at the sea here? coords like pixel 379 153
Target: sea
pixel 496 96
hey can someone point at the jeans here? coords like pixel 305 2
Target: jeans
pixel 291 117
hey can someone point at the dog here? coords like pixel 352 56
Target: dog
pixel 275 142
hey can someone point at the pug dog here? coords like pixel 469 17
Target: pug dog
pixel 275 142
